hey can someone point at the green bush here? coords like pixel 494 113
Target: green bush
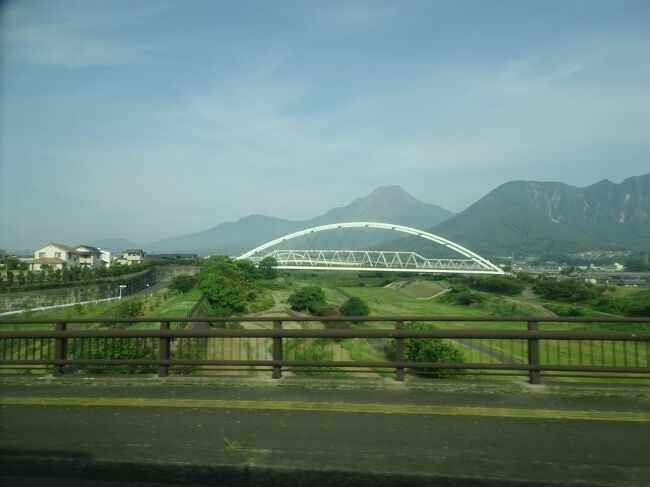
pixel 566 310
pixel 333 310
pixel 431 350
pixel 570 291
pixel 460 294
pixel 497 284
pixel 355 307
pixel 114 349
pixel 126 308
pixel 328 310
pixel 309 298
pixel 634 304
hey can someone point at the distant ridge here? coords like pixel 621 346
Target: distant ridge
pixel 529 217
pixel 385 204
pixel 542 217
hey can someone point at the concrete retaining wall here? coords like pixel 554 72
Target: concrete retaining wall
pixel 73 294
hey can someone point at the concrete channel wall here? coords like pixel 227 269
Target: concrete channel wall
pixel 64 295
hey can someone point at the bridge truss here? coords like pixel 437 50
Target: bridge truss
pixel 370 260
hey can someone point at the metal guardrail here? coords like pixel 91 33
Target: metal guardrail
pixel 59 306
pixel 528 350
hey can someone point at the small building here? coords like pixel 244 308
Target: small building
pixel 54 256
pixel 106 256
pixel 91 257
pixel 131 256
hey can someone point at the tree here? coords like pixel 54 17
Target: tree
pixel 223 284
pixel 267 268
pixel 182 283
pixel 226 296
pixel 248 269
pixel 355 307
pixel 307 298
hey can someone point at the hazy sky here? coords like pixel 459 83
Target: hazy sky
pixel 146 120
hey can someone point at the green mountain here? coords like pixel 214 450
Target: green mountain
pixel 386 204
pixel 537 217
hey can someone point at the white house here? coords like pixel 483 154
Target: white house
pixel 54 256
pixel 131 256
pixel 90 257
pixel 106 257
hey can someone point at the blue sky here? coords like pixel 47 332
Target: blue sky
pixel 146 120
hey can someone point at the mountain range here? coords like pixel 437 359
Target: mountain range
pixel 386 203
pixel 532 218
pixel 528 217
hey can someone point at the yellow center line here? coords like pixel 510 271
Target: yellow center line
pixel 335 407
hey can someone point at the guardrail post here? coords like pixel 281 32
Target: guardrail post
pixel 60 349
pixel 277 351
pixel 163 370
pixel 535 376
pixel 399 352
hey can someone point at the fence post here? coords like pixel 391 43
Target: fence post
pixel 277 351
pixel 60 349
pixel 535 376
pixel 163 369
pixel 399 352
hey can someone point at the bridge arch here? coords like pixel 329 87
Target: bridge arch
pixel 486 265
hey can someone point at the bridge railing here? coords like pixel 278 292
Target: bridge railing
pixel 520 346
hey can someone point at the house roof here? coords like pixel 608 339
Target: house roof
pixel 90 248
pixel 46 260
pixel 67 248
pixel 134 251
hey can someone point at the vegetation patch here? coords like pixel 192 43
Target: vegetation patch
pixel 508 285
pixel 431 350
pixel 309 298
pixel 317 349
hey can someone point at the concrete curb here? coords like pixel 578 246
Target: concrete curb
pixel 415 384
pixel 32 467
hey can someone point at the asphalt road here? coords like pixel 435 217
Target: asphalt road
pixel 480 435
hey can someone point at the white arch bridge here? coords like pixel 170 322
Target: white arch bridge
pixel 372 260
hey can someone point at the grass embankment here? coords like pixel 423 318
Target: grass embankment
pixel 390 301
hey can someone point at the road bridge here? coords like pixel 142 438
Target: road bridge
pixel 372 260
